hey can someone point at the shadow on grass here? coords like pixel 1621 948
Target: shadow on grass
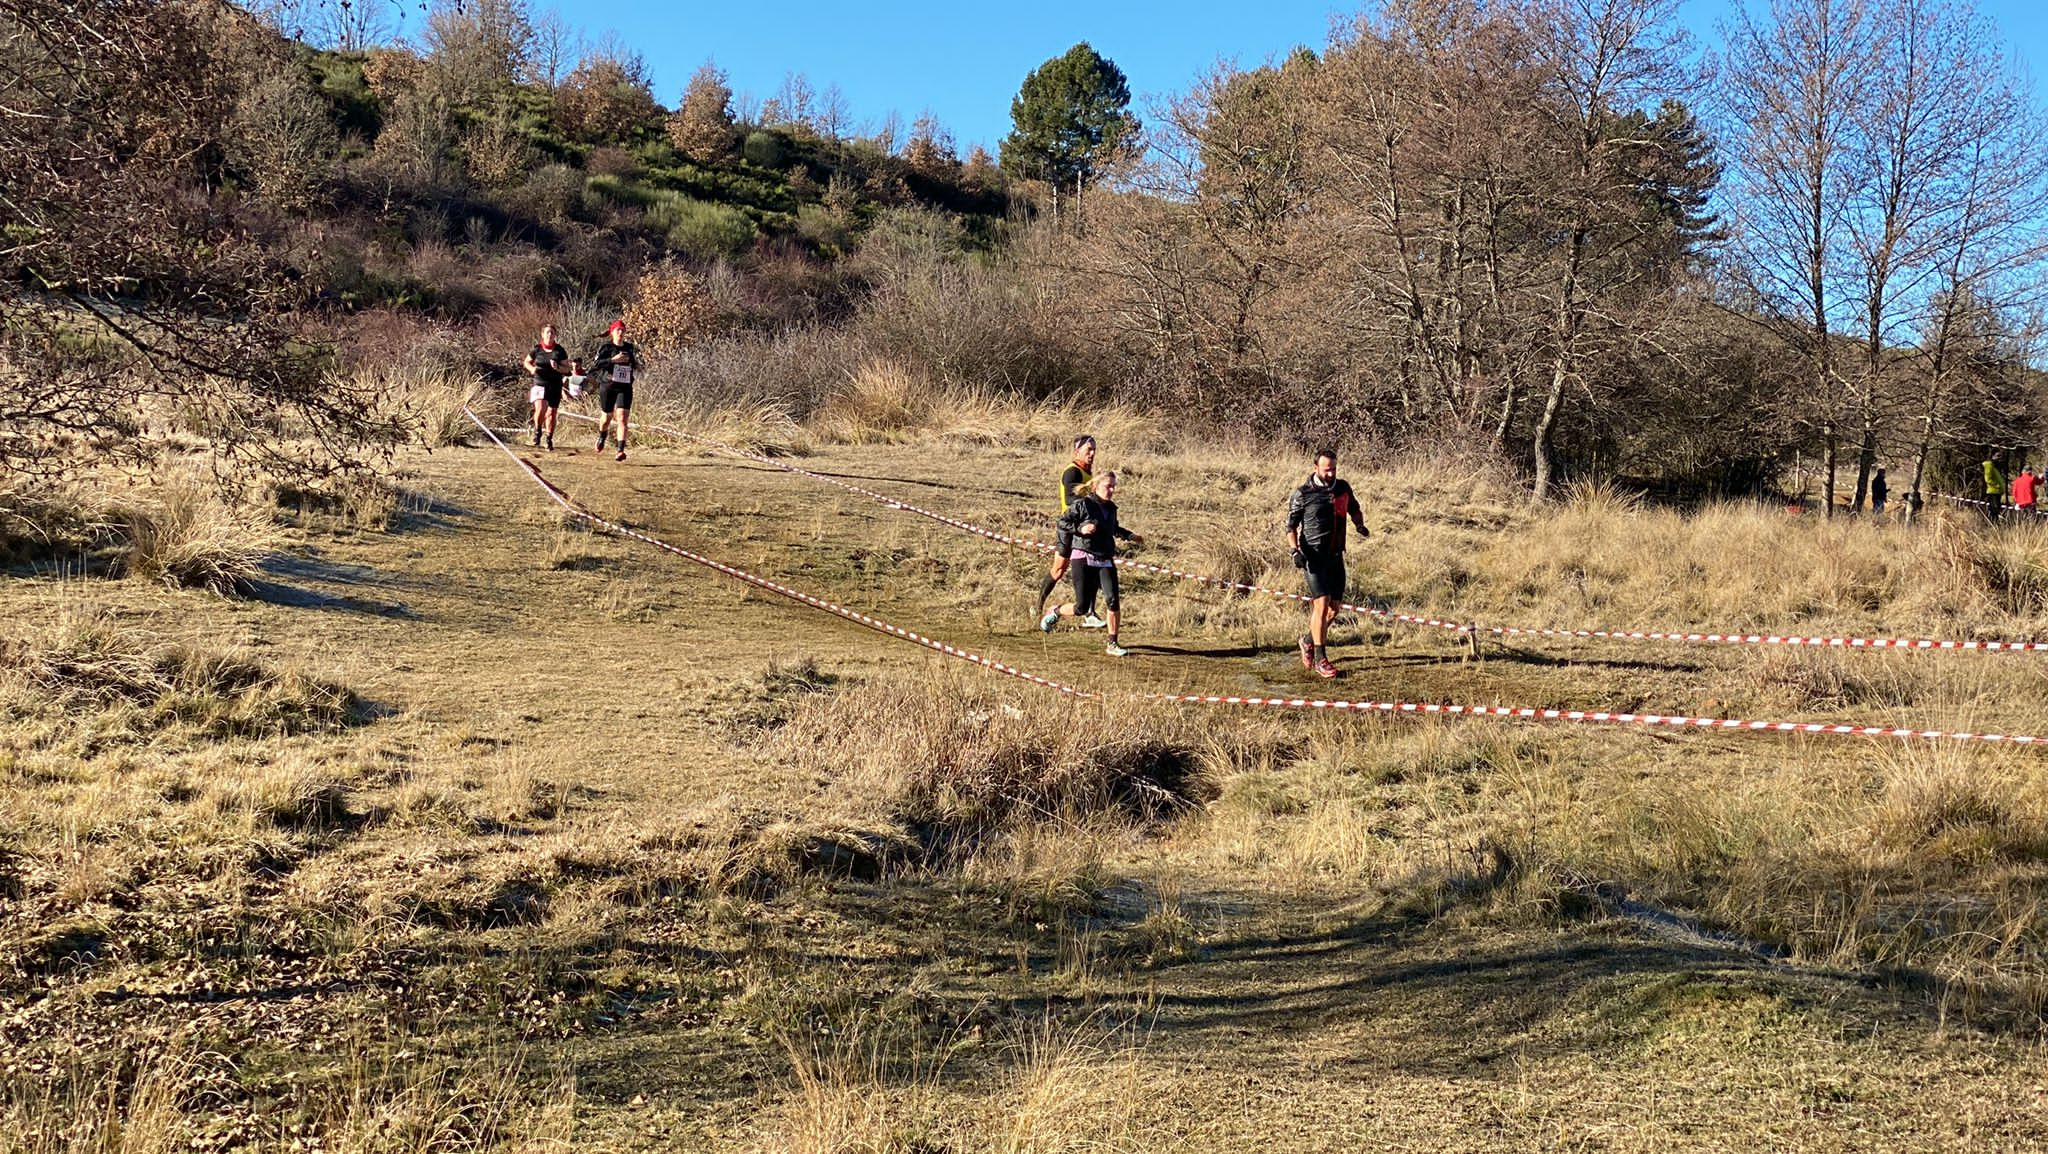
pixel 299 567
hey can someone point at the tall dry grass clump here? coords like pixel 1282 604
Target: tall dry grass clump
pixel 49 520
pixel 83 660
pixel 1056 1089
pixel 886 402
pixel 187 537
pixel 160 1100
pixel 1600 560
pixel 879 403
pixel 959 754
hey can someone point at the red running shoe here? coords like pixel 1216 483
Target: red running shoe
pixel 1308 653
pixel 1323 668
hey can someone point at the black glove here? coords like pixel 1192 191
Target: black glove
pixel 1300 559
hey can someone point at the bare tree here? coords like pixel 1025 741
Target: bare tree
pixel 555 48
pixel 477 47
pixel 1429 128
pixel 835 115
pixel 1233 156
pixel 1920 124
pixel 1797 87
pixel 795 101
pixel 1599 56
pixel 121 279
pixel 1988 253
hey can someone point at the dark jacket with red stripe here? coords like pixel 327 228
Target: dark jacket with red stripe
pixel 1317 513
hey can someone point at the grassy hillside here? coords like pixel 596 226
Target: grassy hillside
pixel 461 827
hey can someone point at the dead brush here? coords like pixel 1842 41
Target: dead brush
pixel 188 538
pixel 881 402
pixel 41 521
pixel 85 658
pixel 960 756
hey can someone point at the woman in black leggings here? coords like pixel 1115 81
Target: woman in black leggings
pixel 1091 523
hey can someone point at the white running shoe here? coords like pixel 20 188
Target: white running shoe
pixel 1046 622
pixel 1093 622
pixel 1115 650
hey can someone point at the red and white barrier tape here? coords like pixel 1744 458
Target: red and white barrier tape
pixel 1649 720
pixel 880 626
pixel 1972 501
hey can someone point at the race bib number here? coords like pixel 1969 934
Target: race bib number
pixel 622 374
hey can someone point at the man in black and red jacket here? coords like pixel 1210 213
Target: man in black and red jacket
pixel 1315 533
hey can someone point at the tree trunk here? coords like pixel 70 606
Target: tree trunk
pixel 1563 362
pixel 1560 376
pixel 1830 448
pixel 1511 399
pixel 1866 460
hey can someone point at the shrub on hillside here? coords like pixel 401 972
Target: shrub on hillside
pixel 767 149
pixel 668 309
pixel 282 138
pixel 700 229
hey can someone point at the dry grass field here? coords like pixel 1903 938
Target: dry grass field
pixel 457 826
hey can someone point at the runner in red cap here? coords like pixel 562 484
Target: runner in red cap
pixel 616 361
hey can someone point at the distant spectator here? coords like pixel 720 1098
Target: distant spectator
pixel 1879 490
pixel 1994 488
pixel 2025 488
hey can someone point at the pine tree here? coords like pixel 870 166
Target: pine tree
pixel 1070 115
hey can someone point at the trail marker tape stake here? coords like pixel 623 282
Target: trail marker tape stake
pixel 1731 637
pixel 1581 716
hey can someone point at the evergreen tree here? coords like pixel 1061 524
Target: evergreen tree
pixel 1071 114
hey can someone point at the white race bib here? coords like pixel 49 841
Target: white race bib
pixel 622 374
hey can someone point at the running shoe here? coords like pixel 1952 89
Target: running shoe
pixel 1093 622
pixel 1323 668
pixel 551 442
pixel 601 435
pixel 1115 650
pixel 1308 652
pixel 1046 622
pixel 621 456
pixel 536 438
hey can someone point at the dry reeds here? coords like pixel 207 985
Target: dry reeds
pixel 188 538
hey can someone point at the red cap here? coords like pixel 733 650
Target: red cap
pixel 616 326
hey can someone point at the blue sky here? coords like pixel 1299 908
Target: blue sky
pixel 964 62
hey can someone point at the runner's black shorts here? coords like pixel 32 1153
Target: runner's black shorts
pixel 1325 575
pixel 551 394
pixel 615 395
